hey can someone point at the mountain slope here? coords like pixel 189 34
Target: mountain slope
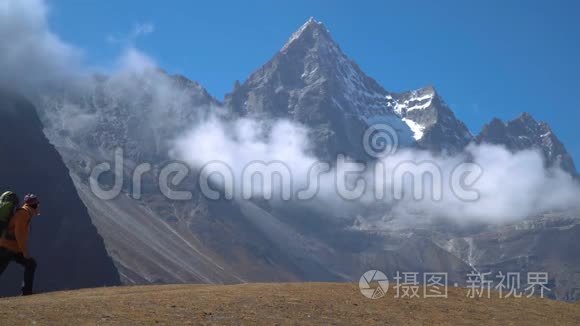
pixel 69 251
pixel 149 238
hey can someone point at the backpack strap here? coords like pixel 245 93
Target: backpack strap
pixel 10 235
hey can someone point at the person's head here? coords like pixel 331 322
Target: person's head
pixel 31 201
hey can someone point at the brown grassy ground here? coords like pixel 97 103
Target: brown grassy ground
pixel 271 304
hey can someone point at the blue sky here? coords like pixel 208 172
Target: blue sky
pixel 487 58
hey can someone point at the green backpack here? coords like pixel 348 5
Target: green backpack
pixel 8 203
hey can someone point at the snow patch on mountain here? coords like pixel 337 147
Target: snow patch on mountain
pixel 414 100
pixel 418 130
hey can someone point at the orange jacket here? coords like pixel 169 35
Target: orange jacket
pixel 16 239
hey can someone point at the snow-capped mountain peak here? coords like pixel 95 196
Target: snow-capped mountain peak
pixel 311 26
pixel 313 82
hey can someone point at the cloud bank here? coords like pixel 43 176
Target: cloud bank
pixel 30 54
pixel 508 187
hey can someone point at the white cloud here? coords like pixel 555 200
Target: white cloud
pixel 512 186
pixel 30 54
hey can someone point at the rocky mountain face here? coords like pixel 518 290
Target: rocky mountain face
pixel 541 244
pixel 311 81
pixel 527 133
pixel 69 251
pixel 434 125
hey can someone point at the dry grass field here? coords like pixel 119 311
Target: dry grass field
pixel 274 304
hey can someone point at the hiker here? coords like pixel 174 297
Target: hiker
pixel 14 241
